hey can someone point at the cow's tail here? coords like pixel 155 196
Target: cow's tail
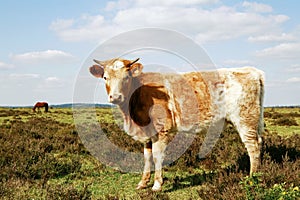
pixel 261 101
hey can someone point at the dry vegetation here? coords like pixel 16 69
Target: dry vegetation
pixel 42 157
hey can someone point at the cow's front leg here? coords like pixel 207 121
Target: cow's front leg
pixel 147 167
pixel 158 158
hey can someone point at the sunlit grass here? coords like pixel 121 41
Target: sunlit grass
pixel 284 130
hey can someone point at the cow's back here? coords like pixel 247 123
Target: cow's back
pixel 196 98
pixel 228 93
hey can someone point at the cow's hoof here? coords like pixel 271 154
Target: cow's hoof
pixel 156 187
pixel 141 186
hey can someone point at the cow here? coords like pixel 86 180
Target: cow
pixel 154 103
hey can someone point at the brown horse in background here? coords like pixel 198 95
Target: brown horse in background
pixel 39 105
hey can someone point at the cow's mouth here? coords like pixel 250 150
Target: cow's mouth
pixel 117 102
pixel 116 99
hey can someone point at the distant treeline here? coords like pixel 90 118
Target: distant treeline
pixel 68 105
pixel 291 106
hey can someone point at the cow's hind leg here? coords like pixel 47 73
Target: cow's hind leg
pixel 158 158
pixel 147 167
pixel 251 137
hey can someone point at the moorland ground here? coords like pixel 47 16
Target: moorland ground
pixel 42 157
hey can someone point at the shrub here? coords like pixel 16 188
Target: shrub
pixel 35 151
pixel 286 121
pixel 255 189
pixel 280 166
pixel 64 192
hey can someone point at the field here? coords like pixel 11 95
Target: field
pixel 42 157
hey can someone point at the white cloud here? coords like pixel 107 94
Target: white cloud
pixel 52 82
pixel 282 51
pixel 24 76
pixel 206 25
pixel 86 28
pixel 61 24
pixel 294 80
pixel 146 3
pixel 294 68
pixel 257 7
pixel 117 5
pixel 125 4
pixel 214 24
pixel 226 23
pixel 48 56
pixel 6 66
pixel 283 37
pixel 52 79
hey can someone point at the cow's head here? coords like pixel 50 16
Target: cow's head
pixel 117 74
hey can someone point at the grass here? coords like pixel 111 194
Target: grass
pixel 42 157
pixel 275 119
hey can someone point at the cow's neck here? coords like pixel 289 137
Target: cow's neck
pixel 135 121
pixel 125 106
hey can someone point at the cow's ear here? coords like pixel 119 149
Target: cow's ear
pixel 136 69
pixel 97 71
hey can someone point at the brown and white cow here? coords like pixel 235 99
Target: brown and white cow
pixel 154 103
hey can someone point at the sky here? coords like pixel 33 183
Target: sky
pixel 46 44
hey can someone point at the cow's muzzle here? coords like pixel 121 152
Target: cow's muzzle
pixel 115 98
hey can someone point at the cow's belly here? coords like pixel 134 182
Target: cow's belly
pixel 139 133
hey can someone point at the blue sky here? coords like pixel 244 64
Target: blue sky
pixel 44 44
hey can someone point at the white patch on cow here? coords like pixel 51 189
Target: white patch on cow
pixel 139 133
pixel 171 103
pixel 233 94
pixel 217 93
pixel 117 65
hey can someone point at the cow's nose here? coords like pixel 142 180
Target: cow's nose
pixel 115 98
